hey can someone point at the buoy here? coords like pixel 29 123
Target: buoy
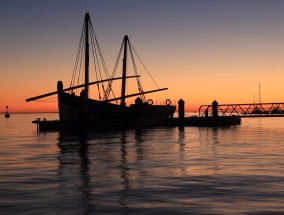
pixel 7 115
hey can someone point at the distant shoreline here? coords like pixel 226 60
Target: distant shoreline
pixel 29 112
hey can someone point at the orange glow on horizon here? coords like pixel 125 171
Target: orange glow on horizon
pixel 200 58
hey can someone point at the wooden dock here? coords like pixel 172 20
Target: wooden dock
pixel 46 125
pixel 49 125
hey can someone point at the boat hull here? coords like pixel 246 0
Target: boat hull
pixel 75 111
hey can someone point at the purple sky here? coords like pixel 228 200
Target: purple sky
pixel 188 45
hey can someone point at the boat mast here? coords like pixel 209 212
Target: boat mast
pixel 87 19
pixel 124 64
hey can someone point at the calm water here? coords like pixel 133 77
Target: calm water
pixel 237 170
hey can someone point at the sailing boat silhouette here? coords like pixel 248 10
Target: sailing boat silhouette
pixel 80 110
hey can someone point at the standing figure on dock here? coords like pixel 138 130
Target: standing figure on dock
pixel 7 115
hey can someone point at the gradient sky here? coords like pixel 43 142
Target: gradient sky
pixel 202 50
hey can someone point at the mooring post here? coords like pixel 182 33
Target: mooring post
pixel 59 91
pixel 181 109
pixel 215 108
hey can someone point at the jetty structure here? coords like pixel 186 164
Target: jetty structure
pixel 109 111
pixel 211 119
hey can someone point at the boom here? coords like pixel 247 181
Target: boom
pixel 136 94
pixel 76 87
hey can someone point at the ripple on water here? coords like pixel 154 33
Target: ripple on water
pixel 237 170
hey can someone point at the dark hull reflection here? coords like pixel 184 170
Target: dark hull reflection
pixel 153 171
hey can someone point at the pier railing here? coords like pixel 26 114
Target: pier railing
pixel 159 102
pixel 244 110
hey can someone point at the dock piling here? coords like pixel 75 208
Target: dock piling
pixel 215 108
pixel 181 109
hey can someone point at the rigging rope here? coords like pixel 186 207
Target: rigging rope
pixel 96 64
pixel 140 89
pixel 78 59
pixel 144 66
pixel 100 65
pixel 109 87
pixel 98 60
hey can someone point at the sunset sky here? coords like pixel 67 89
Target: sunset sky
pixel 202 50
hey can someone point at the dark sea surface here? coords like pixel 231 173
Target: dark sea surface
pixel 190 170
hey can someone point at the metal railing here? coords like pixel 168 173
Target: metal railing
pixel 245 110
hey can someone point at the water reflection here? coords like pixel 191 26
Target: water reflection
pixel 236 170
pixel 139 144
pixel 85 176
pixel 74 174
pixel 96 166
pixel 176 170
pixel 124 170
pixel 182 150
